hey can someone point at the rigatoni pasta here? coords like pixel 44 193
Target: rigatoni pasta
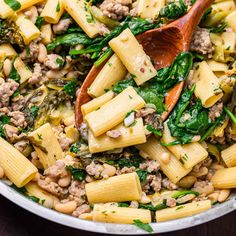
pixel 229 155
pixel 133 56
pixel 120 215
pixel 106 117
pixel 106 190
pixel 17 167
pixel 23 71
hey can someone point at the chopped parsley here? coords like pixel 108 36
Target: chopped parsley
pixel 144 226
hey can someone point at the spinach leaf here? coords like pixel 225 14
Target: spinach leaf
pixel 14 74
pixel 34 111
pixel 123 204
pixel 151 207
pixel 183 193
pixel 13 4
pixel 144 226
pixel 174 10
pixel 69 40
pixel 219 28
pixel 39 22
pixel 3 121
pixel 78 174
pixel 75 148
pixel 151 129
pixel 231 115
pixel 188 120
pixel 129 162
pixel 142 174
pixel 122 85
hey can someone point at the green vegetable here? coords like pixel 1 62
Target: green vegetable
pixel 103 57
pixel 75 148
pixel 151 207
pixel 3 121
pixel 230 114
pixel 174 10
pixel 59 61
pixel 219 28
pixel 14 74
pixel 69 40
pixel 183 193
pixel 78 174
pixel 150 128
pixel 133 161
pixel 13 4
pixel 196 123
pixel 34 111
pixel 58 8
pixel 39 22
pixel 70 88
pixel 123 204
pixel 144 226
pixel 122 85
pixel 197 56
pixel 142 174
pixel 206 14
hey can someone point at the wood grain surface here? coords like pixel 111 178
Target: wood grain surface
pixel 15 221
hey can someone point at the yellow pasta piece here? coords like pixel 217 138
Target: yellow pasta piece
pixel 118 188
pixel 18 169
pixel 46 145
pixel 173 170
pixel 185 210
pixel 129 136
pixel 149 8
pixel 231 20
pixel 96 103
pixel 27 29
pixel 227 6
pixel 24 72
pixel 46 34
pixel 132 55
pixel 121 215
pixel 112 72
pixel 53 11
pixel 224 178
pixel 188 154
pixel 229 155
pixel 45 198
pixel 216 66
pixel 229 40
pixel 113 112
pixel 7 50
pixel 7 11
pixel 78 9
pixel 207 85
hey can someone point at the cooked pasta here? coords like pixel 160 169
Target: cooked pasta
pixel 91 127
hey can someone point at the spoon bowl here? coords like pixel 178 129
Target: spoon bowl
pixel 162 45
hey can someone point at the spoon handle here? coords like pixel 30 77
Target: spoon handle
pixel 187 23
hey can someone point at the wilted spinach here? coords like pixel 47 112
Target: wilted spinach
pixel 3 121
pixel 78 174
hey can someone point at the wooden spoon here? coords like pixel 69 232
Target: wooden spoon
pixel 162 45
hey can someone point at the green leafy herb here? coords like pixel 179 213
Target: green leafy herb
pixel 16 93
pixel 150 128
pixel 59 61
pixel 14 74
pixel 34 199
pixel 39 22
pixel 219 28
pixel 133 161
pixel 174 10
pixel 13 4
pixel 34 111
pixel 3 121
pixel 122 85
pixel 71 39
pixel 123 204
pixel 70 88
pixel 75 148
pixel 230 114
pixel 183 193
pixel 153 208
pixel 146 227
pixel 58 8
pixel 78 174
pixel 142 174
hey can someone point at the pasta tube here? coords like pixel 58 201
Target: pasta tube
pixel 46 145
pixel 78 9
pixel 18 169
pixel 7 10
pixel 177 212
pixel 227 6
pixel 28 30
pixel 7 50
pixel 112 72
pixel 216 66
pixel 224 178
pixel 96 103
pixel 113 112
pixel 231 20
pixel 188 154
pixel 229 155
pixel 229 39
pixel 45 198
pixel 173 170
pixel 121 215
pixel 24 72
pixel 53 11
pixel 46 34
pixel 207 85
pixel 109 190
pixel 133 56
pixel 129 136
pixel 150 8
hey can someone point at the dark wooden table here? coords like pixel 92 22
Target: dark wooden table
pixel 15 221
